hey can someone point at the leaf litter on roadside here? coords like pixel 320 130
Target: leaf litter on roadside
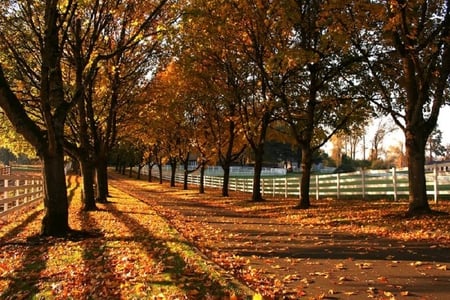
pixel 134 254
pixel 369 219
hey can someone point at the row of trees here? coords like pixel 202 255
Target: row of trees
pixel 69 70
pixel 215 78
pixel 303 71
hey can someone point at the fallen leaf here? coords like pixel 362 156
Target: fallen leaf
pixel 343 278
pixel 257 297
pixel 388 294
pixel 405 293
pixel 364 265
pixel 417 264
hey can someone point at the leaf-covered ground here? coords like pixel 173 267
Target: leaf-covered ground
pixel 226 248
pixel 335 250
pixel 129 253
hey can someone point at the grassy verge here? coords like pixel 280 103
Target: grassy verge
pixel 132 254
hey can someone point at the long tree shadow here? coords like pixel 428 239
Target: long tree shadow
pixel 99 276
pixel 179 271
pixel 73 184
pixel 25 277
pixel 13 232
pixel 261 236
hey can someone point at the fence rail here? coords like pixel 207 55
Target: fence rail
pixel 392 184
pixel 18 190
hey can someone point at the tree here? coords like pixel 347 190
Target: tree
pixel 336 151
pixel 317 82
pixel 46 136
pixel 435 147
pixel 214 74
pixel 132 46
pixel 253 26
pixel 6 156
pixel 395 156
pixel 407 53
pixel 382 130
pixel 52 43
pixel 12 140
pixel 168 117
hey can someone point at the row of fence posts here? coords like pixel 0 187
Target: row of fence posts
pixel 16 194
pixel 396 188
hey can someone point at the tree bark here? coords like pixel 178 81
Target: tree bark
pixel 306 177
pixel 259 153
pixel 88 193
pixel 102 179
pixel 415 150
pixel 138 176
pixel 185 175
pixel 150 167
pixel 160 173
pixel 56 217
pixel 173 170
pixel 226 180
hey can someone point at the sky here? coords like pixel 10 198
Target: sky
pixel 397 137
pixel 444 124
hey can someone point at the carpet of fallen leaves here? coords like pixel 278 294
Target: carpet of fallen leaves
pixel 122 251
pixel 155 242
pixel 335 250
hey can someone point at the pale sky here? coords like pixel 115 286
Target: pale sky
pixel 397 137
pixel 444 124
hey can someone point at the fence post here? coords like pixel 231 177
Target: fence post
pixel 285 188
pixel 338 186
pixel 317 187
pixel 363 183
pixel 394 182
pixel 300 188
pixel 273 186
pixel 5 184
pixel 436 182
pixel 262 186
pixel 17 192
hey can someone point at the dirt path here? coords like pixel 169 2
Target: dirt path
pixel 284 259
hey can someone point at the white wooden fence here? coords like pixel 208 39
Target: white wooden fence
pixel 18 190
pixel 385 184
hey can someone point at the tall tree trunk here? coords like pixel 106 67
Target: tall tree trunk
pixel 102 178
pixel 306 177
pixel 118 162
pixel 226 180
pixel 88 194
pixel 56 218
pixel 150 167
pixel 415 149
pixel 138 176
pixel 259 154
pixel 160 173
pixel 185 176
pixel 173 170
